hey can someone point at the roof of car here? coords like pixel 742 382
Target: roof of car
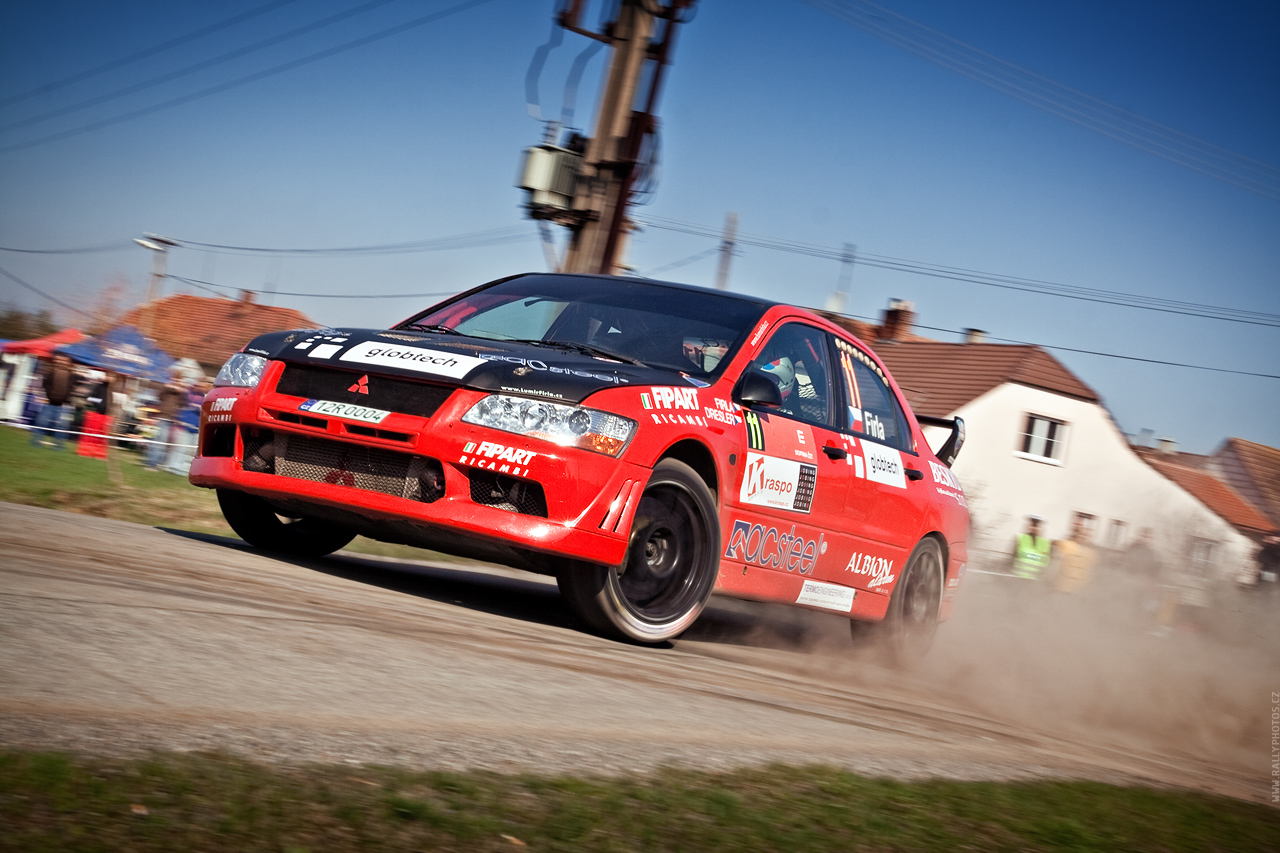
pixel 614 279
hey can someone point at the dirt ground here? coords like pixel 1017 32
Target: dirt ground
pixel 119 638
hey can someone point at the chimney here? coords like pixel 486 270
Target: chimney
pixel 897 321
pixel 1167 446
pixel 246 296
pixel 974 336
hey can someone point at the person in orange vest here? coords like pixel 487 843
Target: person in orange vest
pixel 1031 551
pixel 1075 559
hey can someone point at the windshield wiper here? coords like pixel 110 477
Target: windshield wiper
pixel 591 349
pixel 435 327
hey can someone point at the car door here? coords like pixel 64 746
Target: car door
pixel 788 498
pixel 884 504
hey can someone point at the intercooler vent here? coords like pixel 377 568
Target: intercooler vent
pixel 510 493
pixel 370 469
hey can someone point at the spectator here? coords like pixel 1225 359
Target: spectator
pixel 55 416
pixel 1144 573
pixel 1075 558
pixel 170 401
pixel 1031 551
pixel 185 428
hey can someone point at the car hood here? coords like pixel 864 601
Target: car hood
pixel 547 372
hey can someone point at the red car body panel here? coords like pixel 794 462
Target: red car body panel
pixel 843 551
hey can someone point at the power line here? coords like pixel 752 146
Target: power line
pixel 46 88
pixel 192 69
pixel 998 280
pixel 105 247
pixel 491 237
pixel 697 256
pixel 197 282
pixel 1058 99
pixel 42 294
pixel 249 78
pixel 1076 350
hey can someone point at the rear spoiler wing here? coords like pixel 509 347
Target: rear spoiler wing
pixel 951 447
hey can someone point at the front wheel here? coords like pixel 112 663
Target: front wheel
pixel 670 568
pixel 907 631
pixel 256 522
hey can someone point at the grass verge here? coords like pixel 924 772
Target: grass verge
pixel 173 802
pixel 125 490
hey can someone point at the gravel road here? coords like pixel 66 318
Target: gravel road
pixel 119 639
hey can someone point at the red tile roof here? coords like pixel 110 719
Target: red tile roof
pixel 1254 470
pixel 1213 493
pixel 939 378
pixel 209 330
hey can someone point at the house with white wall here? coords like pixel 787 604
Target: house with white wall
pixel 1040 442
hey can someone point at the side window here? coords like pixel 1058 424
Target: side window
pixel 871 410
pixel 797 359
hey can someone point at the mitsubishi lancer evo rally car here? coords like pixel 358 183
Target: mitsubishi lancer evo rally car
pixel 645 443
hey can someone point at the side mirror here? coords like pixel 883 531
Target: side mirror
pixel 757 389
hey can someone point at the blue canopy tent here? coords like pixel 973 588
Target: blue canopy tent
pixel 123 350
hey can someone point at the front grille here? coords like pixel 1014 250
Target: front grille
pixel 320 460
pixel 384 392
pixel 510 493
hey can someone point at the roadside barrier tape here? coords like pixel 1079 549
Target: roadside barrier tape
pixel 108 436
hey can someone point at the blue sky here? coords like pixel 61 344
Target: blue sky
pixel 811 129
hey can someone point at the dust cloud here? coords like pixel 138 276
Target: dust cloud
pixel 1099 663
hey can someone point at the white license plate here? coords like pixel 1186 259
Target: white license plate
pixel 345 410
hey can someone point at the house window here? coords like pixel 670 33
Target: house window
pixel 1116 534
pixel 1043 439
pixel 1083 526
pixel 1204 555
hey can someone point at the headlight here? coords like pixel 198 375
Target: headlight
pixel 572 426
pixel 241 370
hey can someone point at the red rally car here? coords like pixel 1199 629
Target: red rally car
pixel 645 443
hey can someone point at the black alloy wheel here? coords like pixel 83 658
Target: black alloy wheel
pixel 906 634
pixel 670 568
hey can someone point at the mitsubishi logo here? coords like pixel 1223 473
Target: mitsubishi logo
pixel 361 386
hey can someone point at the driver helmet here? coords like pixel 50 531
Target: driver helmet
pixel 782 372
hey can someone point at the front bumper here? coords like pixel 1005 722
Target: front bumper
pixel 411 474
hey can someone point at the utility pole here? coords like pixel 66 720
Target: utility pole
pixel 160 246
pixel 726 250
pixel 838 301
pixel 588 184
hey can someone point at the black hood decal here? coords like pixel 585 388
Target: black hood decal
pixel 527 370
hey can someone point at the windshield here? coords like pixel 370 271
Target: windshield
pixel 691 331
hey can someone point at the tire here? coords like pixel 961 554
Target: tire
pixel 256 522
pixel 670 569
pixel 905 635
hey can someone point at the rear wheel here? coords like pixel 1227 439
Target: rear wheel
pixel 256 522
pixel 907 631
pixel 670 567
